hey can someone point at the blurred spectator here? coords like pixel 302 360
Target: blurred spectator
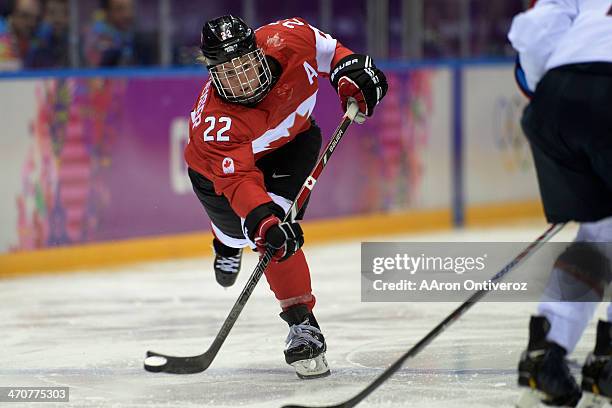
pixel 110 40
pixel 127 32
pixel 489 23
pixel 50 44
pixel 16 32
pixel 442 29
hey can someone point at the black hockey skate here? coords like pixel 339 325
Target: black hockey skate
pixel 227 263
pixel 544 371
pixel 597 370
pixel 305 344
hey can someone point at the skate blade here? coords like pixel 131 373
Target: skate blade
pixel 312 368
pixel 530 398
pixel 590 400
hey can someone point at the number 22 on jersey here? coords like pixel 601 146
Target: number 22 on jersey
pixel 220 136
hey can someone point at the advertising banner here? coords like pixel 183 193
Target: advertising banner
pixel 99 159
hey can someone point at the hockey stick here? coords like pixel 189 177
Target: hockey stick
pixel 156 362
pixel 451 318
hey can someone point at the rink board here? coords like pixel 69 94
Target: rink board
pixel 92 160
pixel 90 331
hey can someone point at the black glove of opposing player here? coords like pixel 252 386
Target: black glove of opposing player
pixel 356 76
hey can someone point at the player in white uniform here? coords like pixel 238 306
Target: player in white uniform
pixel 565 66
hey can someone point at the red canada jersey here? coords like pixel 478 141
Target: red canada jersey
pixel 226 139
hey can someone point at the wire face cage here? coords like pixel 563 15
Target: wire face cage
pixel 245 79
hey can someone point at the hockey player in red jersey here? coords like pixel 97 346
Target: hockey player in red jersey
pixel 252 144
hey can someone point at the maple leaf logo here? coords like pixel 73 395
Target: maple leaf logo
pixel 285 91
pixel 274 41
pixel 310 182
pixel 228 165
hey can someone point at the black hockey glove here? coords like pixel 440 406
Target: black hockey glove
pixel 356 76
pixel 266 230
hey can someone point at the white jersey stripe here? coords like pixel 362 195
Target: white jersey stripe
pixel 243 242
pixel 227 240
pixel 263 142
pixel 326 49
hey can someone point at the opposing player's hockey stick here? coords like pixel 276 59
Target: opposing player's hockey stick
pixel 451 318
pixel 156 362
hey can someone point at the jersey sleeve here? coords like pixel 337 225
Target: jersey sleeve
pixel 329 51
pixel 303 36
pixel 235 175
pixel 536 32
pixel 230 165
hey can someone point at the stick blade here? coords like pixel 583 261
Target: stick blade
pixel 342 405
pixel 160 363
pixel 305 406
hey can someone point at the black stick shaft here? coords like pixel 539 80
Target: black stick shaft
pixel 196 364
pixel 444 324
pixel 265 260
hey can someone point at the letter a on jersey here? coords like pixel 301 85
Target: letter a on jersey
pixel 310 71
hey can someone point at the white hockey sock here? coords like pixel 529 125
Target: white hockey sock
pixel 567 321
pixel 600 231
pixel 609 312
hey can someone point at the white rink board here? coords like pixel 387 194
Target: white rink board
pixel 17 115
pixel 90 332
pixel 497 158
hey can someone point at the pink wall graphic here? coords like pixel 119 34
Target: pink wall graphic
pixel 101 160
pixel 72 138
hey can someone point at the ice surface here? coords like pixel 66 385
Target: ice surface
pixel 90 331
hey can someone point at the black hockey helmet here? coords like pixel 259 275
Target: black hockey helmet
pixel 225 38
pixel 238 67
